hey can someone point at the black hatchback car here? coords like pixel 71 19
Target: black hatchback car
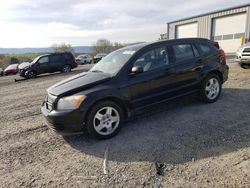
pixel 49 63
pixel 131 79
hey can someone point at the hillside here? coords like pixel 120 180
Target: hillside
pixel 77 49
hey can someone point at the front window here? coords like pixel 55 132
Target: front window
pixel 44 60
pixel 35 60
pixel 112 63
pixel 153 59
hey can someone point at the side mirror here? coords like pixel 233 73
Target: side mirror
pixel 136 70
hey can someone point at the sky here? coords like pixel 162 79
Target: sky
pixel 42 23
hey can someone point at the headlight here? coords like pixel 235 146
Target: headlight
pixel 71 102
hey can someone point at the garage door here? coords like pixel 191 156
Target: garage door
pixel 228 31
pixel 187 30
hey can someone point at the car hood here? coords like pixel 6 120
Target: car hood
pixel 23 65
pixel 78 83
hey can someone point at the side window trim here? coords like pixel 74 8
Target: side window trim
pixel 196 54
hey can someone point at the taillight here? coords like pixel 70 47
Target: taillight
pixel 74 61
pixel 216 44
pixel 222 53
pixel 222 56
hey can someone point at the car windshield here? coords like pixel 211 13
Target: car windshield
pixel 35 60
pixel 112 63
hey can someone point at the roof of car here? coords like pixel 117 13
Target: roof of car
pixel 137 47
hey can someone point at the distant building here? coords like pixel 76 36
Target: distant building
pixel 226 26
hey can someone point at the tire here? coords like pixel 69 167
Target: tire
pixel 66 68
pixel 211 88
pixel 31 74
pixel 244 66
pixel 100 118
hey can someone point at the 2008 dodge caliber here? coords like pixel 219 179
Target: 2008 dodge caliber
pixel 133 78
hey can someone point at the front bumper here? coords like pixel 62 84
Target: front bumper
pixel 64 122
pixel 242 59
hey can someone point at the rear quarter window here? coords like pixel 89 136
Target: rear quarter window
pixel 68 57
pixel 207 49
pixel 183 52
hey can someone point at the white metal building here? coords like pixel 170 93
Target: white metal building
pixel 226 26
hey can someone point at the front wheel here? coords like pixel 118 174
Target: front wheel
pixel 211 88
pixel 104 120
pixel 244 66
pixel 31 74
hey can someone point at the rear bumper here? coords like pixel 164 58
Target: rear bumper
pixel 64 122
pixel 225 71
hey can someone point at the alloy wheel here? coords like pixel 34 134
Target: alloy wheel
pixel 212 88
pixel 106 120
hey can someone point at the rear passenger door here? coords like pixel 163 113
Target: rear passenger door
pixel 187 66
pixel 55 63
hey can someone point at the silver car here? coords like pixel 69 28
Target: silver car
pixel 243 55
pixel 84 59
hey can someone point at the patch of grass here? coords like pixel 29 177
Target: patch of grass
pixel 6 60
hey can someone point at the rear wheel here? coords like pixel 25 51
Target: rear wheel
pixel 66 68
pixel 104 120
pixel 211 88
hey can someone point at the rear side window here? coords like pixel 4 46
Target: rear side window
pixel 56 59
pixel 183 52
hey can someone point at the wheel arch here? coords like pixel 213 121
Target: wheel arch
pixel 218 73
pixel 114 99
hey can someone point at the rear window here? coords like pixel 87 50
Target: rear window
pixel 183 52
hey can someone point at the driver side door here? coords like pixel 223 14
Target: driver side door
pixel 153 84
pixel 43 65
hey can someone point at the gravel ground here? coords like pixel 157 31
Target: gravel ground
pixel 190 143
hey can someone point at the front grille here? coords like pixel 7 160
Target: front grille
pixel 246 50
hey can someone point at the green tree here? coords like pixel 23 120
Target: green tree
pixel 106 46
pixel 14 60
pixel 62 48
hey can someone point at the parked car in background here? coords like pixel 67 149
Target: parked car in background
pixel 132 78
pixel 243 56
pixel 23 65
pixel 84 59
pixel 50 63
pixel 1 72
pixel 98 57
pixel 11 69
